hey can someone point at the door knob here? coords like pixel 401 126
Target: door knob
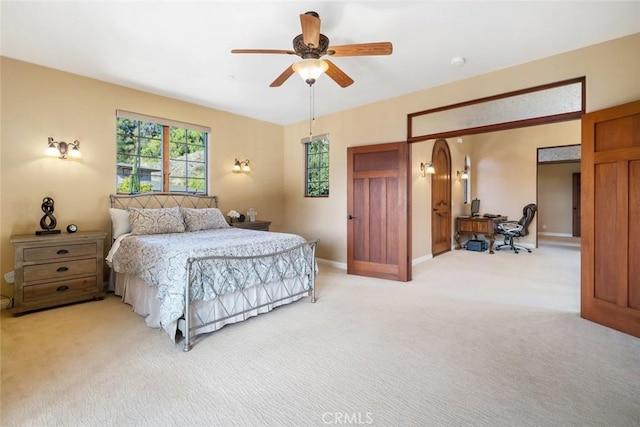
pixel 351 217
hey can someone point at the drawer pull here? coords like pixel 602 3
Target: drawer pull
pixel 61 269
pixel 62 252
pixel 62 288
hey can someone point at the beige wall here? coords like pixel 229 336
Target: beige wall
pixel 39 102
pixel 555 198
pixel 612 72
pixel 506 164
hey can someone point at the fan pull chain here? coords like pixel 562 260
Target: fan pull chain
pixel 312 117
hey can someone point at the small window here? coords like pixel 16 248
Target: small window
pixel 317 167
pixel 158 155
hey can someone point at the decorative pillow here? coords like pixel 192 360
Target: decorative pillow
pixel 119 222
pixel 203 219
pixel 156 221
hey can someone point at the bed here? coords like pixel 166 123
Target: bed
pixel 178 263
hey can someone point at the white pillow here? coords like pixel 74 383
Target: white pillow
pixel 203 219
pixel 156 221
pixel 119 222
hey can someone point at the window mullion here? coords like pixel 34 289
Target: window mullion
pixel 165 159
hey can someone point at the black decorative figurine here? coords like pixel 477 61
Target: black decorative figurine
pixel 48 221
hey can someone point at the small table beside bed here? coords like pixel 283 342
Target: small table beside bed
pixel 178 263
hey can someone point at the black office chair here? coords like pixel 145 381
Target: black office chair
pixel 514 229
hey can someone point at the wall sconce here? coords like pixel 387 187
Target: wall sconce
pixel 63 150
pixel 464 174
pixel 427 169
pixel 241 166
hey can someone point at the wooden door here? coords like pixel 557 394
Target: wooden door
pixel 378 199
pixel 576 205
pixel 441 198
pixel 611 218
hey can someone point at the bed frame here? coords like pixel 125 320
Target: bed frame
pixel 281 261
pixel 162 200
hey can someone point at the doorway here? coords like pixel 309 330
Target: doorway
pixel 558 195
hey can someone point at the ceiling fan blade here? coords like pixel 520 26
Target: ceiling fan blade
pixel 282 77
pixel 310 28
pixel 288 52
pixel 337 74
pixel 363 49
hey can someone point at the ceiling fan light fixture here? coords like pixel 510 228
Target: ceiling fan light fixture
pixel 312 45
pixel 310 69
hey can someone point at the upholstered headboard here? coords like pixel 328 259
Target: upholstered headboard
pixel 162 200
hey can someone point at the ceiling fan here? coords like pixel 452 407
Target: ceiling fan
pixel 311 46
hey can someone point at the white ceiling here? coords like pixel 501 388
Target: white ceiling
pixel 182 49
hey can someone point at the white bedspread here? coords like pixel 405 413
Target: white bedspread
pixel 160 260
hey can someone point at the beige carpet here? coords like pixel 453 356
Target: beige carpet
pixel 473 340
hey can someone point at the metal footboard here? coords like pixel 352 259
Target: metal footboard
pixel 296 263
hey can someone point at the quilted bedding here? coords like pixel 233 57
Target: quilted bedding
pixel 161 259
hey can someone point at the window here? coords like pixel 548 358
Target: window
pixel 549 103
pixel 317 167
pixel 158 155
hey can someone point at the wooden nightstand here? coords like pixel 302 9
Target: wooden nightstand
pixel 255 225
pixel 57 269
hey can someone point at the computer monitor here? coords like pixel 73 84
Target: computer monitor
pixel 475 207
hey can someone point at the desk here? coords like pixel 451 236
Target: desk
pixel 467 225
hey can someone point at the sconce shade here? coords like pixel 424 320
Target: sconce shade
pixel 241 166
pixel 427 169
pixel 310 69
pixel 63 150
pixel 464 174
pixel 51 151
pixel 75 153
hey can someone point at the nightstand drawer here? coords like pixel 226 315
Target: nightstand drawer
pixel 58 289
pixel 61 251
pixel 55 270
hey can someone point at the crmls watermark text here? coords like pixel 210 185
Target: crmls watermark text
pixel 346 418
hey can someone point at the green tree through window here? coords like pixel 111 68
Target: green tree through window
pixel 145 148
pixel 317 167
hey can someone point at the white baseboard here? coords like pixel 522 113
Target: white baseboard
pixel 547 233
pixel 422 259
pixel 334 264
pixel 415 261
pixel 343 266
